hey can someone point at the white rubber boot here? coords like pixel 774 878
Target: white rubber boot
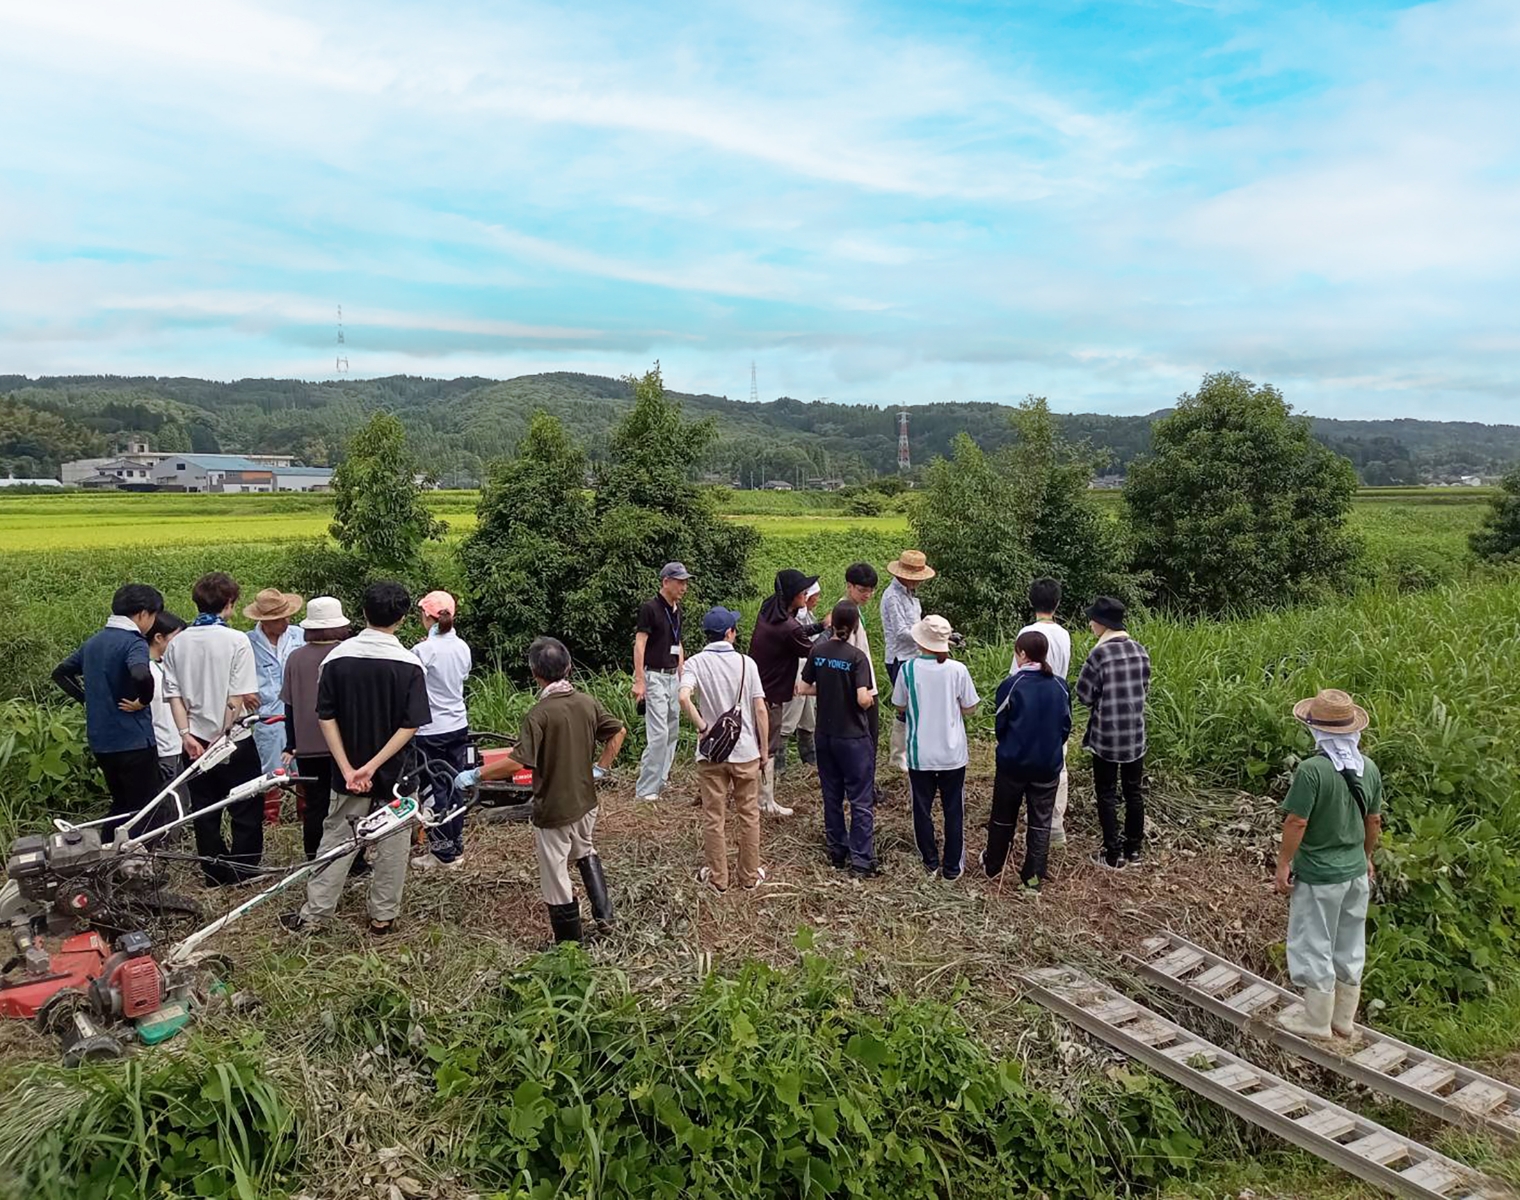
pixel 1343 1021
pixel 1313 1019
pixel 899 749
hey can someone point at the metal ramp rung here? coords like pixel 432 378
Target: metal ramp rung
pixel 1339 1136
pixel 1423 1080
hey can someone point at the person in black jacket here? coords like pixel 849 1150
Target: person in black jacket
pixel 1033 721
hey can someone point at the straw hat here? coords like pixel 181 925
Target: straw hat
pixel 1332 711
pixel 933 634
pixel 324 612
pixel 272 604
pixel 911 564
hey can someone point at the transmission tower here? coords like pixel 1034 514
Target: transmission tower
pixel 903 461
pixel 340 365
pixel 754 388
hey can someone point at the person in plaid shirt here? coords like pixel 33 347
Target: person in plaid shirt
pixel 1113 685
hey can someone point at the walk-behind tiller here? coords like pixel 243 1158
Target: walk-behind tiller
pixel 98 1001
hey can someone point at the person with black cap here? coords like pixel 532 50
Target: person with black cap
pixel 658 657
pixel 778 645
pixel 1113 685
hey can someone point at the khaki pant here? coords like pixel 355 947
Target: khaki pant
pixel 800 712
pixel 715 783
pixel 1058 817
pixel 557 848
pixel 388 858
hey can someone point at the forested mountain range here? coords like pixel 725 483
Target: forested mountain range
pixel 458 425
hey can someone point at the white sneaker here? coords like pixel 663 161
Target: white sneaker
pixel 646 799
pixel 704 876
pixel 771 809
pixel 759 874
pixel 431 862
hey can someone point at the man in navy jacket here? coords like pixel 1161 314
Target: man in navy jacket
pixel 111 677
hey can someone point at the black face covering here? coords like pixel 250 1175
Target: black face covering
pixel 778 606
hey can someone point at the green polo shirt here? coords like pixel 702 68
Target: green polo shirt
pixel 1332 849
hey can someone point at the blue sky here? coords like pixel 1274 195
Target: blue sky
pixel 879 203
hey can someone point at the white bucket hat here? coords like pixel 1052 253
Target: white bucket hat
pixel 324 612
pixel 933 634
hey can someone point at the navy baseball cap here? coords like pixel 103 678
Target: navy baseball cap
pixel 674 570
pixel 720 620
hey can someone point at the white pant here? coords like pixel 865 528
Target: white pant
pixel 1327 933
pixel 1058 814
pixel 556 849
pixel 387 857
pixel 662 727
pixel 800 712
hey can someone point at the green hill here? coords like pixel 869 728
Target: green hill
pixel 458 425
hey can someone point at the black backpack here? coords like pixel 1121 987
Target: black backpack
pixel 723 734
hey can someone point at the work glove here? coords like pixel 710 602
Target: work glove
pixel 467 778
pixel 599 772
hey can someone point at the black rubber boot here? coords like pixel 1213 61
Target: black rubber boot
pixel 566 921
pixel 781 757
pixel 595 882
pixel 806 750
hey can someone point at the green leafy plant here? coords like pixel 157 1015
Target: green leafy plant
pixel 1237 507
pixel 45 766
pixel 203 1123
pixel 991 523
pixel 772 1082
pixel 378 510
pixel 1498 540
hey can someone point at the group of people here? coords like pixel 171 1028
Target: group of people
pixel 158 690
pixel 339 707
pixel 818 678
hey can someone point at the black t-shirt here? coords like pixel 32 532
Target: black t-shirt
pixel 838 669
pixel 372 686
pixel 663 625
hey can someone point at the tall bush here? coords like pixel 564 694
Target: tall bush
pixel 1498 539
pixel 1237 506
pixel 991 522
pixel 546 559
pixel 378 512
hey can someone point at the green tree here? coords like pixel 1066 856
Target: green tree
pixel 547 558
pixel 528 551
pixel 1498 538
pixel 649 510
pixel 992 522
pixel 378 512
pixel 1237 506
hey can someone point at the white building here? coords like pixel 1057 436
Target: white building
pixel 115 473
pixel 303 479
pixel 137 453
pixel 12 481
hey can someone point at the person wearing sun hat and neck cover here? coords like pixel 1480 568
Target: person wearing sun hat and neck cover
pixel 900 611
pixel 1332 819
pixel 446 663
pixel 274 639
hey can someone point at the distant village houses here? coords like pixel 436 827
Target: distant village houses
pixel 139 469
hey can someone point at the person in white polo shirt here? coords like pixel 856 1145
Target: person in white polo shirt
pixel 935 692
pixel 446 663
pixel 211 680
pixel 1044 599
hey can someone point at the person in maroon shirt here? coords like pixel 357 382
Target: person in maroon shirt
pixel 778 644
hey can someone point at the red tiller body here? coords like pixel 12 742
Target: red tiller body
pixel 76 963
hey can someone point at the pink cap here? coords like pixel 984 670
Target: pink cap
pixel 436 604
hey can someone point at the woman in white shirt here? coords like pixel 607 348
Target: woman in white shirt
pixel 446 665
pixel 935 692
pixel 171 752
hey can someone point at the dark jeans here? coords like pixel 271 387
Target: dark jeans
pixel 1109 779
pixel 447 841
pixel 951 786
pixel 318 793
pixel 1009 795
pixel 847 770
pixel 132 779
pixel 224 866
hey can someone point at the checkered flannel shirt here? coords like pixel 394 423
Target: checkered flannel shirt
pixel 1113 685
